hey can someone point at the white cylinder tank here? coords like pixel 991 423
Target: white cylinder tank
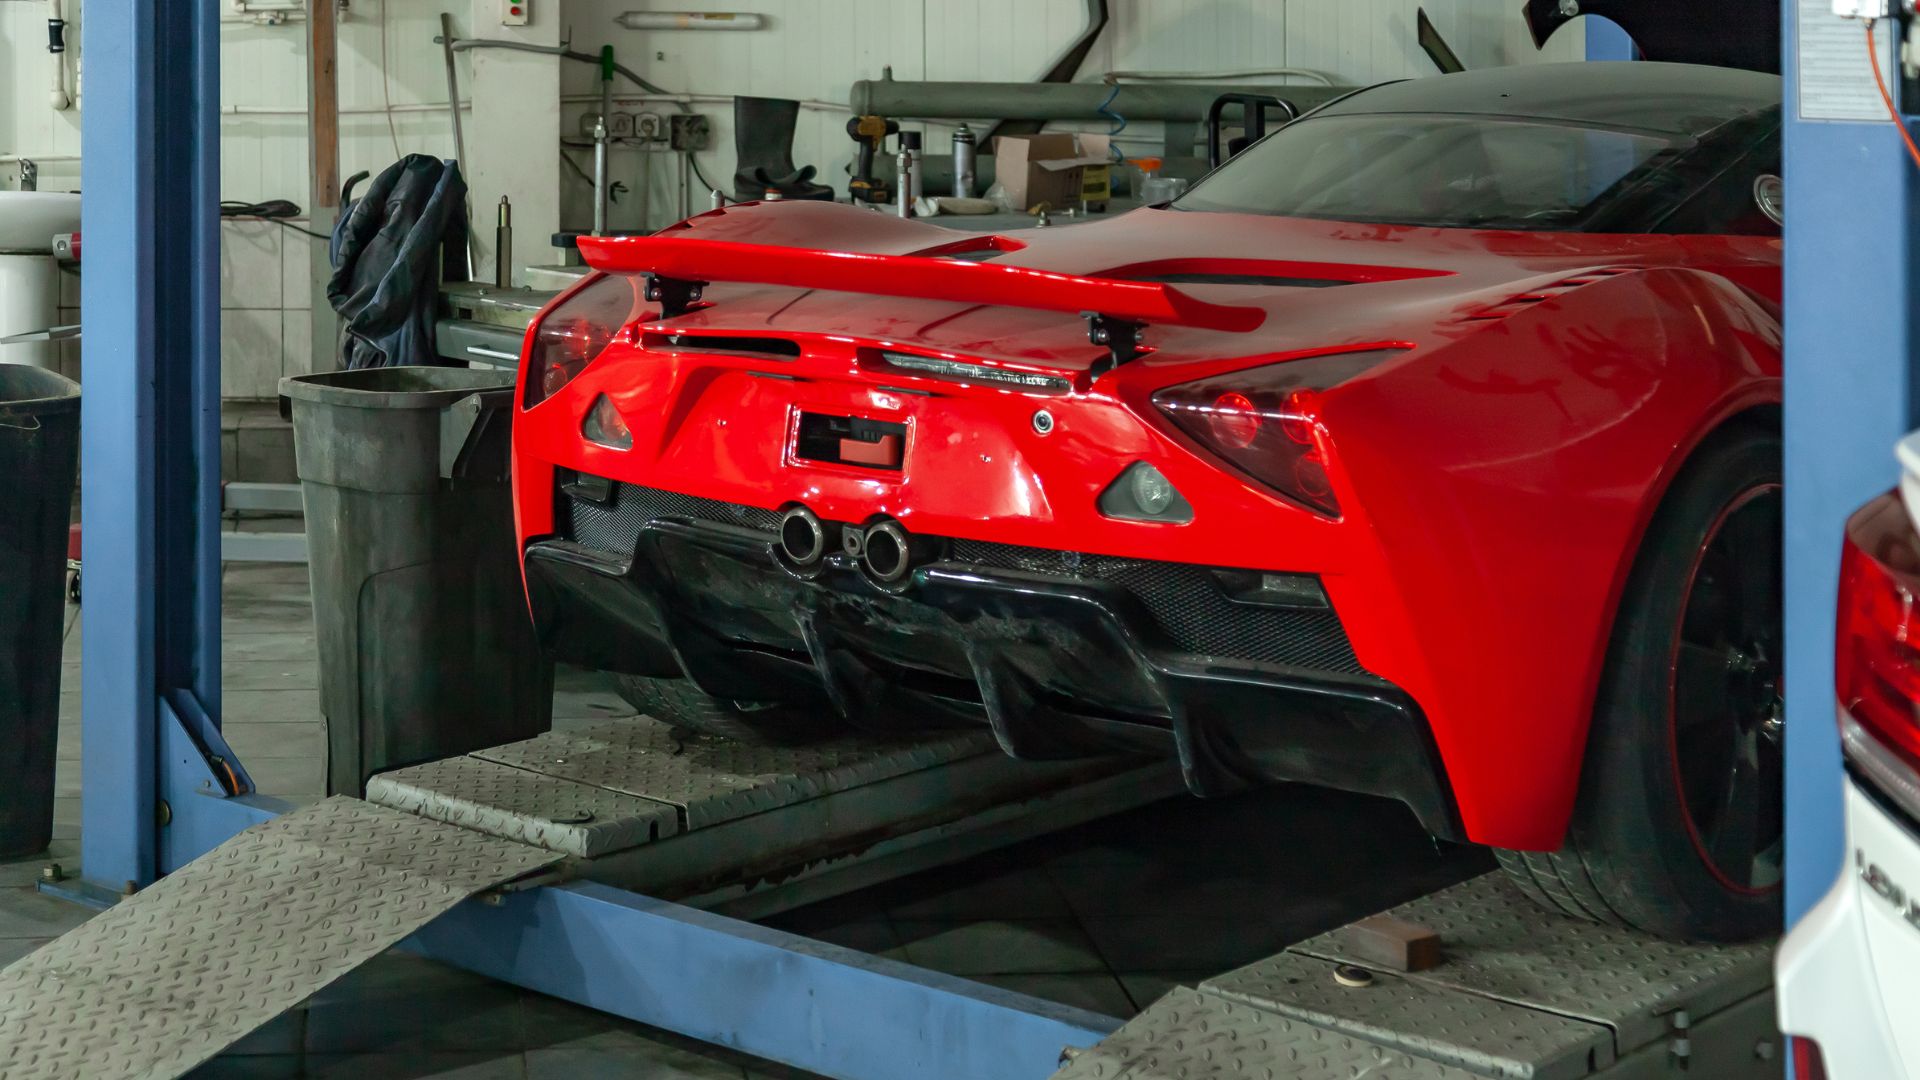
pixel 29 277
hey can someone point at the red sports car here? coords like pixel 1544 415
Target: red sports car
pixel 1429 448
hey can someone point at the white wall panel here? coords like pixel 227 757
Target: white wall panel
pixel 812 50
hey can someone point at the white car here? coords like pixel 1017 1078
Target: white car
pixel 1849 973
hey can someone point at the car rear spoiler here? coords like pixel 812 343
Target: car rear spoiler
pixel 677 268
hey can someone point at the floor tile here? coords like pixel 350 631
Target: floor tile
pixel 637 1058
pixel 278 645
pixel 998 947
pixel 403 1003
pixel 252 1067
pixel 284 1034
pixel 1147 987
pixel 12 949
pixel 1181 942
pixel 25 913
pixel 250 675
pixel 270 706
pixel 960 893
pixel 25 870
pixel 288 776
pixel 1095 992
pixel 252 739
pixel 417 1065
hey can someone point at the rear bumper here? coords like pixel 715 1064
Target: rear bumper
pixel 1049 662
pixel 1849 972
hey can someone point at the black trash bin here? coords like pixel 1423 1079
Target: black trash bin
pixel 40 457
pixel 426 648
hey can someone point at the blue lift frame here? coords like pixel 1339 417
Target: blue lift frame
pixel 1853 303
pixel 151 644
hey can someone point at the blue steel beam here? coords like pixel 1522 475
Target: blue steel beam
pixel 150 412
pixel 1607 40
pixel 790 999
pixel 1852 302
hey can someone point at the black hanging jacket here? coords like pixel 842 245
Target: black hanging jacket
pixel 390 251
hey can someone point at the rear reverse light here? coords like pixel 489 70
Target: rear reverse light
pixel 1877 642
pixel 1266 421
pixel 573 333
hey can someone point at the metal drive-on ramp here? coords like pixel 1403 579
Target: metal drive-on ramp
pixel 161 983
pixel 169 977
pixel 1521 994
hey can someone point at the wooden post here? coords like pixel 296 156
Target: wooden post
pixel 323 89
pixel 323 201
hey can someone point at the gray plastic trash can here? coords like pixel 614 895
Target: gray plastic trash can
pixel 39 456
pixel 426 648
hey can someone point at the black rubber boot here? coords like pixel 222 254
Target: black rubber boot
pixel 763 143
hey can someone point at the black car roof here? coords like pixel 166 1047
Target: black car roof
pixel 1675 99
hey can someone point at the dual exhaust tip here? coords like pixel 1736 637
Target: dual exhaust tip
pixel 883 549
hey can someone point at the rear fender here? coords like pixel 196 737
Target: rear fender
pixel 1507 479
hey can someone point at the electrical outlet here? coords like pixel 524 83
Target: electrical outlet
pixel 688 131
pixel 514 12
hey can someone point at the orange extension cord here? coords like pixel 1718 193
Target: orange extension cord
pixel 1879 80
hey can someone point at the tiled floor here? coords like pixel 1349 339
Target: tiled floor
pixel 1107 916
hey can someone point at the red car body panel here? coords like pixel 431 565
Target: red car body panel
pixel 1494 477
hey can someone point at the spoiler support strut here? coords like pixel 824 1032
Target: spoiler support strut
pixel 676 296
pixel 1120 337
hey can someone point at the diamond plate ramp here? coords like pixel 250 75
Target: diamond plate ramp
pixel 171 977
pixel 1188 1035
pixel 1503 946
pixel 714 780
pixel 1480 1034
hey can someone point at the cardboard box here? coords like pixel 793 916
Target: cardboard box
pixel 1052 168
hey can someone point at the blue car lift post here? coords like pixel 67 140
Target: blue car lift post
pixel 1853 309
pixel 151 648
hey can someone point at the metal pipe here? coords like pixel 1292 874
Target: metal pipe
pixel 453 92
pixel 690 20
pixel 1061 101
pixel 903 183
pixel 600 177
pixel 57 96
pixel 503 246
pixel 686 184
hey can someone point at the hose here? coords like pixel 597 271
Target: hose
pixel 467 44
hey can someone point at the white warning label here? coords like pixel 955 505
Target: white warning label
pixel 1836 82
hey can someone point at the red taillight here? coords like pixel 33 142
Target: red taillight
pixel 1235 420
pixel 1266 421
pixel 575 332
pixel 1807 1062
pixel 1877 639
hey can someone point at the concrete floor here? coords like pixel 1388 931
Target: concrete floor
pixel 1106 917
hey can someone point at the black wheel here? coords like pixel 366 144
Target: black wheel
pixel 682 705
pixel 1678 827
pixel 73 588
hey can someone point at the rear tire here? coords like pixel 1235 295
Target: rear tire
pixel 1677 827
pixel 685 707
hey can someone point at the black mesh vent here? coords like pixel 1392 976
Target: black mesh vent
pixel 615 528
pixel 1188 604
pixel 1186 601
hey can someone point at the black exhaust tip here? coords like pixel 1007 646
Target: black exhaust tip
pixel 803 540
pixel 887 553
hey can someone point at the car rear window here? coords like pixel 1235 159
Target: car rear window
pixel 1436 170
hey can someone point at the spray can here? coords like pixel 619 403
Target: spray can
pixel 965 159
